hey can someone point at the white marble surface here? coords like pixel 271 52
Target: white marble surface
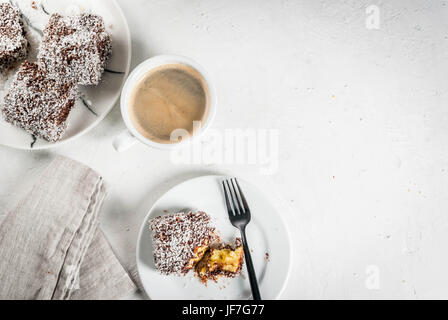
pixel 363 122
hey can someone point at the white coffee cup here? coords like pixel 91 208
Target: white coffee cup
pixel 131 136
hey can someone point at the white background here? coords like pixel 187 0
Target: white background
pixel 363 122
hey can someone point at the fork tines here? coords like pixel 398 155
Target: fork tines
pixel 235 199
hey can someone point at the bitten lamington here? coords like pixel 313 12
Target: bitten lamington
pixel 180 241
pixel 75 48
pixel 38 104
pixel 222 261
pixel 13 44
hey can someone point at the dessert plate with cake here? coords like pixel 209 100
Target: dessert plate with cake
pixel 188 249
pixel 62 66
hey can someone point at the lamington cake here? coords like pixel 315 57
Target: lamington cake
pixel 180 241
pixel 187 241
pixel 75 48
pixel 13 44
pixel 224 260
pixel 38 104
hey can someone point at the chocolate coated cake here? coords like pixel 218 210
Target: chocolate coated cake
pixel 75 48
pixel 38 104
pixel 13 44
pixel 180 240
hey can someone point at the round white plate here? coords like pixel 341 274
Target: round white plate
pixel 267 234
pixel 97 101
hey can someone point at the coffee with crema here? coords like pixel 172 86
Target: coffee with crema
pixel 168 98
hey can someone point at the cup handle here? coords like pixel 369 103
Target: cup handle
pixel 124 141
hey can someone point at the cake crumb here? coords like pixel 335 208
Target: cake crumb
pixel 267 257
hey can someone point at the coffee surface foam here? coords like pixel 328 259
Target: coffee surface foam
pixel 168 98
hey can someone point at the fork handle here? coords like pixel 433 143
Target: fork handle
pixel 250 267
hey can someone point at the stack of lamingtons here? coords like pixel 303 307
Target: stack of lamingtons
pixel 74 51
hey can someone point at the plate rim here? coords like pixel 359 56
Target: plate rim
pixel 143 224
pixel 103 115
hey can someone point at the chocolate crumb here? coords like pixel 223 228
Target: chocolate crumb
pixel 267 257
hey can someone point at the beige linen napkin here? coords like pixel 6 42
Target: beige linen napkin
pixel 50 243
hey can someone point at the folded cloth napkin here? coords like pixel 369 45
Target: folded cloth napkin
pixel 50 243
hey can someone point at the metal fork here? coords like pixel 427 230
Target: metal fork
pixel 239 215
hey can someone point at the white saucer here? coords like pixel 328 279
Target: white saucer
pixel 100 99
pixel 267 234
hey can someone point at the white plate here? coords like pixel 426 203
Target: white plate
pixel 100 99
pixel 267 233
